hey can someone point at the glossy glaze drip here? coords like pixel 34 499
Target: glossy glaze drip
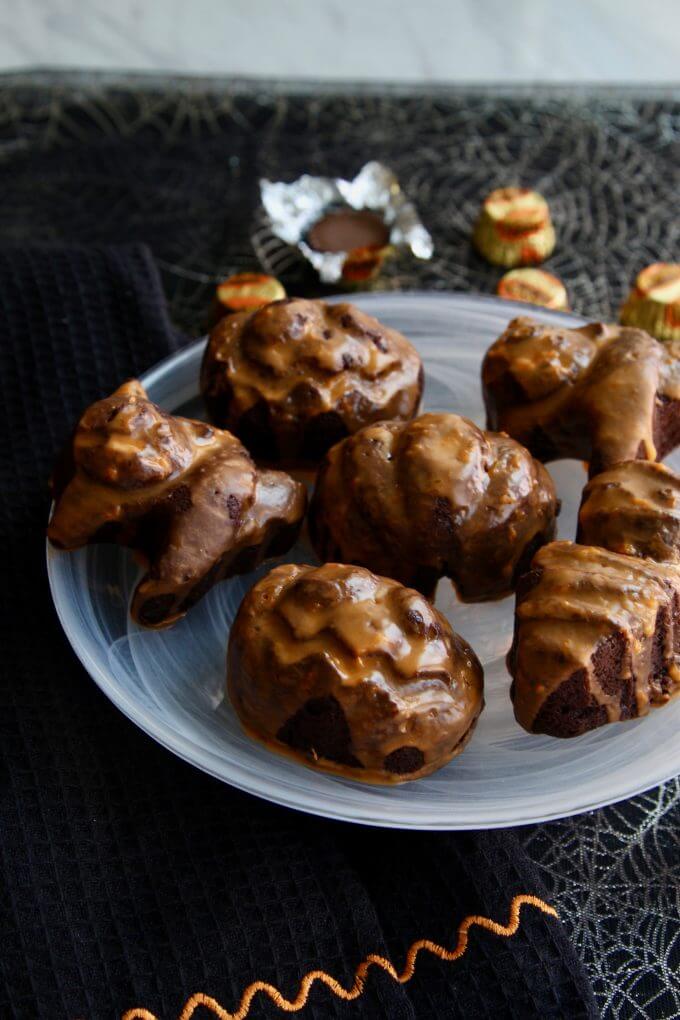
pixel 435 496
pixel 579 597
pixel 591 393
pixel 634 509
pixel 300 359
pixel 401 678
pixel 343 230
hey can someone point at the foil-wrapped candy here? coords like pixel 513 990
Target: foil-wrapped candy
pixel 293 209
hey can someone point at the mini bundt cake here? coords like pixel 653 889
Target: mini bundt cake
pixel 634 509
pixel 185 495
pixel 597 639
pixel 351 673
pixel 431 498
pixel 296 376
pixel 599 393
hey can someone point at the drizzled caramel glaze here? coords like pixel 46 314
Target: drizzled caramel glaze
pixel 634 509
pixel 599 393
pixel 430 498
pixel 351 672
pixel 295 376
pixel 597 639
pixel 187 496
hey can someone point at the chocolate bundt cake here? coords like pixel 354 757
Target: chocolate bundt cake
pixel 599 393
pixel 633 508
pixel 296 376
pixel 597 639
pixel 430 498
pixel 351 673
pixel 185 495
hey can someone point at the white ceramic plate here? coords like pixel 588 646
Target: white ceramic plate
pixel 171 682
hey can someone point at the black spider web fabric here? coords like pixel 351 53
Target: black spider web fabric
pixel 175 163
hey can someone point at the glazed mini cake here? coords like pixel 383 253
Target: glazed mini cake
pixel 634 509
pixel 351 673
pixel 185 495
pixel 296 376
pixel 431 498
pixel 599 393
pixel 597 639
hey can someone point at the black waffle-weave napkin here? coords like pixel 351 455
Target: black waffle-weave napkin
pixel 131 881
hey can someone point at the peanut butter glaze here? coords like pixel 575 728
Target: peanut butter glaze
pixel 185 495
pixel 430 498
pixel 597 639
pixel 634 509
pixel 295 376
pixel 598 393
pixel 352 672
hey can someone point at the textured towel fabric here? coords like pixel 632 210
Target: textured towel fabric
pixel 130 879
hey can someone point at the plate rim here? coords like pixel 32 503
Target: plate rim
pixel 176 743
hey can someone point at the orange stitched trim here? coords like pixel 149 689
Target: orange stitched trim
pixel 293 1005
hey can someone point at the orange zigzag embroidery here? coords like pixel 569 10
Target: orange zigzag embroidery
pixel 300 1000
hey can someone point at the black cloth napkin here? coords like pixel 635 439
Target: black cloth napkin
pixel 130 880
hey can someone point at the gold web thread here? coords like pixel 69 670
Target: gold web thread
pixel 348 994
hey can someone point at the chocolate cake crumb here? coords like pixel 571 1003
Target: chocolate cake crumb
pixel 405 760
pixel 320 727
pixel 154 610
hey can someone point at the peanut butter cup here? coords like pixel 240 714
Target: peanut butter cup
pixel 514 228
pixel 346 229
pixel 534 286
pixel 654 302
pixel 247 291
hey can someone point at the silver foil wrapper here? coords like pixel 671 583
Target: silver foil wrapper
pixel 292 209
